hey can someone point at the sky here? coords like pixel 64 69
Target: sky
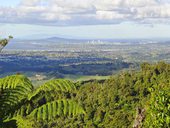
pixel 113 19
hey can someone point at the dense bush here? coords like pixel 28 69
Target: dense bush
pixel 128 99
pixel 114 103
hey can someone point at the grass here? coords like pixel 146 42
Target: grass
pixel 71 77
pixel 84 78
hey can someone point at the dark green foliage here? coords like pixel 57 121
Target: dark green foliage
pixel 58 85
pixel 21 106
pixel 114 103
pixel 109 104
pixel 14 90
pixel 158 113
pixel 56 108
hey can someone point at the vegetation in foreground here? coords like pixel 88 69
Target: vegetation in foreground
pixel 129 99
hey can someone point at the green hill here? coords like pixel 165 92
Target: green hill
pixel 128 99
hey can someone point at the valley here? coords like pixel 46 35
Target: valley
pixel 77 60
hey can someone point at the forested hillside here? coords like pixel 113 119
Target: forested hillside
pixel 115 102
pixel 128 99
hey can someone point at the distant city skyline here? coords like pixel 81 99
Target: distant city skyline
pixel 85 19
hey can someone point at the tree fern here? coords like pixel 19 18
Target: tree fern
pixel 14 90
pixel 57 108
pixel 19 102
pixel 54 85
pixel 11 82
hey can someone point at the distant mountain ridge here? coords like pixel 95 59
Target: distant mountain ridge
pixel 64 40
pixel 73 39
pixel 46 43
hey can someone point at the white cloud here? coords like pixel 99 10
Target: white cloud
pixel 110 15
pixel 30 2
pixel 80 12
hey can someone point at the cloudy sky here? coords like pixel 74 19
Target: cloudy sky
pixel 85 18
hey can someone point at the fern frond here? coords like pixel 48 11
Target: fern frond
pixel 14 90
pixel 54 85
pixel 11 82
pixel 23 122
pixel 57 108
